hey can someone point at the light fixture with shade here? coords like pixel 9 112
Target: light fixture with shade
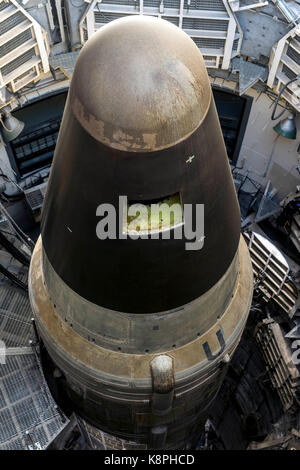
pixel 12 127
pixel 287 127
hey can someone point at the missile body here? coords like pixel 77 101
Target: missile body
pixel 142 329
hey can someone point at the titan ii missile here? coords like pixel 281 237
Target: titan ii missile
pixel 141 327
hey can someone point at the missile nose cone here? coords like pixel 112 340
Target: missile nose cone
pixel 140 122
pixel 140 84
pixel 140 323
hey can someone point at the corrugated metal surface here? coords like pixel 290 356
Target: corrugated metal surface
pixel 210 5
pixel 235 44
pixel 104 17
pixel 293 55
pixel 204 24
pixel 288 72
pixel 3 5
pixel 15 42
pixel 11 22
pixel 120 2
pixel 14 64
pixel 175 4
pixel 171 19
pixel 271 274
pixel 209 43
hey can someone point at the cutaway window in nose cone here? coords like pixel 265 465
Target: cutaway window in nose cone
pixel 154 216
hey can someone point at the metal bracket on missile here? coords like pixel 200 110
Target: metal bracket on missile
pixel 207 349
pixel 163 382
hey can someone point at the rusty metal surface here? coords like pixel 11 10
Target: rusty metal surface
pixel 120 383
pixel 137 365
pixel 140 85
pixel 133 333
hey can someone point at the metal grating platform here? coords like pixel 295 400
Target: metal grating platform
pixel 15 312
pixel 28 415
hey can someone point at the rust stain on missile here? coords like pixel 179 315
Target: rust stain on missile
pixel 64 338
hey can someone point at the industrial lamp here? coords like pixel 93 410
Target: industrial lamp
pixel 12 127
pixel 287 127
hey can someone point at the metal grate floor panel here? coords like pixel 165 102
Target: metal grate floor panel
pixel 29 418
pixel 28 415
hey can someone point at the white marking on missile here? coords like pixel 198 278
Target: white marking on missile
pixel 69 229
pixel 190 159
